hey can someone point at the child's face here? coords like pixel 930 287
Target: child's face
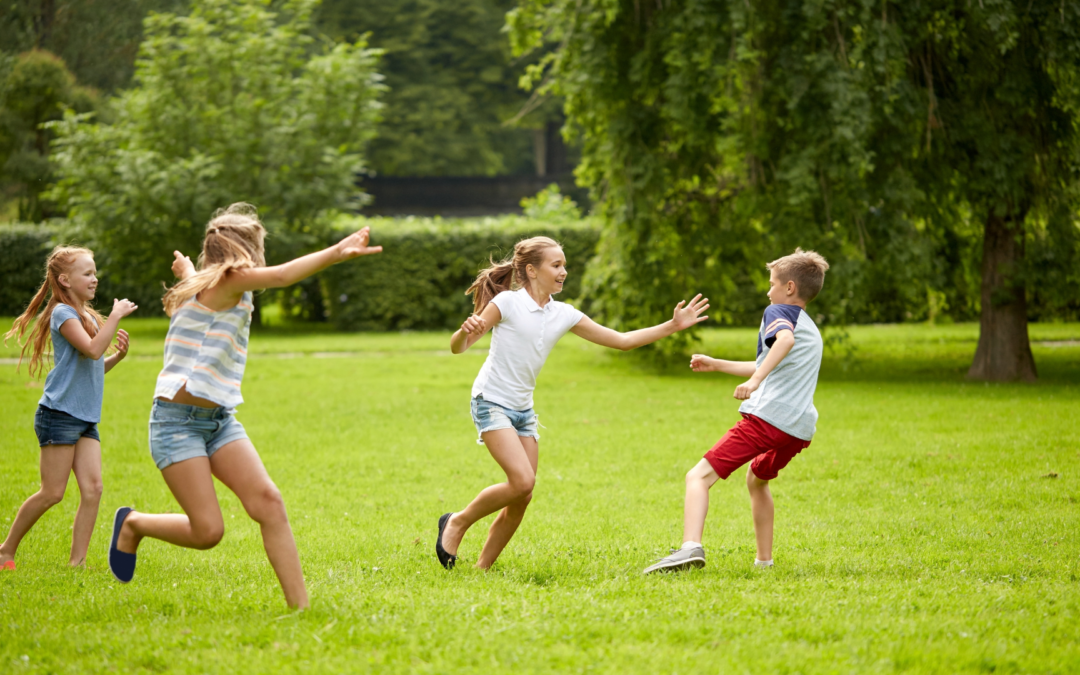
pixel 781 292
pixel 81 279
pixel 551 274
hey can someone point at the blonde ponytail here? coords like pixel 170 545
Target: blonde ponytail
pixel 234 240
pixel 51 293
pixel 510 273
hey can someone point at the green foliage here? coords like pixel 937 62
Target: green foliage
pixel 234 102
pixel 551 205
pixel 35 88
pixel 98 40
pixel 23 249
pixel 418 282
pixel 452 85
pixel 719 135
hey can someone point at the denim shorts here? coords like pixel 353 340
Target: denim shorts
pixel 55 427
pixel 488 416
pixel 179 432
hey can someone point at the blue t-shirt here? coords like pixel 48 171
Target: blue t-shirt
pixel 76 384
pixel 786 398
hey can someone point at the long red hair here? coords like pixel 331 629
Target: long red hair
pixel 51 294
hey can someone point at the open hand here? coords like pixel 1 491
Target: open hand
pixel 182 266
pixel 743 391
pixel 700 363
pixel 474 324
pixel 121 343
pixel 690 314
pixel 122 308
pixel 356 245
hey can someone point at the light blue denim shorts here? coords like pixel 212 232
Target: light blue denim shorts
pixel 488 416
pixel 179 432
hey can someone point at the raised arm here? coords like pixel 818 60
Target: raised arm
pixel 93 348
pixel 474 328
pixel 239 281
pixel 683 318
pixel 784 341
pixel 121 350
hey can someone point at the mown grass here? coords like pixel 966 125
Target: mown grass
pixel 919 533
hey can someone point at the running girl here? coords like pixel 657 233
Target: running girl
pixel 194 435
pixel 527 323
pixel 70 409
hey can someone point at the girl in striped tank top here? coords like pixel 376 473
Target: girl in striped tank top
pixel 194 434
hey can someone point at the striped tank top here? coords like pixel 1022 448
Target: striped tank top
pixel 206 351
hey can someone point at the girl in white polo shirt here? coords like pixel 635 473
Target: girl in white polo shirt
pixel 527 323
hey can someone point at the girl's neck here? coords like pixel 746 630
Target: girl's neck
pixel 535 295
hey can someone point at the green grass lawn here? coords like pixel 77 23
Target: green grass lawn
pixel 931 527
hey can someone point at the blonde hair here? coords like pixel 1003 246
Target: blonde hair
pixel 234 241
pixel 60 261
pixel 510 273
pixel 805 268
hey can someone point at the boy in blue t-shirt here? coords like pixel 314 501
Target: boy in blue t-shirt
pixel 778 411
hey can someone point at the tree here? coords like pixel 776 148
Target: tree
pixel 36 89
pixel 232 103
pixel 97 40
pixel 719 134
pixel 452 85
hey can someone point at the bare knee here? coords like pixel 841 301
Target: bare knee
pixel 51 495
pixel 755 484
pixel 207 535
pixel 266 505
pixel 522 485
pixel 91 491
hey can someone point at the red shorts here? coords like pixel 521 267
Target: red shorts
pixel 754 439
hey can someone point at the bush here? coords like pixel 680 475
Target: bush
pixel 418 282
pixel 23 249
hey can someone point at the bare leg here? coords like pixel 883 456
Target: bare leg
pixel 761 504
pixel 508 520
pixel 87 468
pixel 201 527
pixel 55 465
pixel 506 447
pixel 239 467
pixel 696 504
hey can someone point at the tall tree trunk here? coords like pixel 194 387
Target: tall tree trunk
pixel 1004 351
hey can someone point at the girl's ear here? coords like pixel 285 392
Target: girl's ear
pixel 63 279
pixel 530 270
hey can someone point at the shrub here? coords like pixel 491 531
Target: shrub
pixel 418 282
pixel 23 249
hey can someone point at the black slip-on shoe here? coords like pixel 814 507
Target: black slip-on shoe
pixel 122 565
pixel 445 559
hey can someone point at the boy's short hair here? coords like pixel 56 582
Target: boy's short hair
pixel 805 268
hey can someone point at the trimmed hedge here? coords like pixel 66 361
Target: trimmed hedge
pixel 418 282
pixel 23 250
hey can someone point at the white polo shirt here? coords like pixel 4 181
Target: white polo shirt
pixel 520 343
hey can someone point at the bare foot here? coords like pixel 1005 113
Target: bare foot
pixel 451 536
pixel 128 541
pixel 5 558
pixel 76 563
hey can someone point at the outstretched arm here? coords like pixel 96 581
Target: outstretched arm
pixel 239 281
pixel 474 328
pixel 785 340
pixel 683 318
pixel 706 364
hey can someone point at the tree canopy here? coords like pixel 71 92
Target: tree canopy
pixel 452 85
pixel 919 146
pixel 233 102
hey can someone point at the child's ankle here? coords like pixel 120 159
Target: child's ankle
pixel 763 563
pixel 691 544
